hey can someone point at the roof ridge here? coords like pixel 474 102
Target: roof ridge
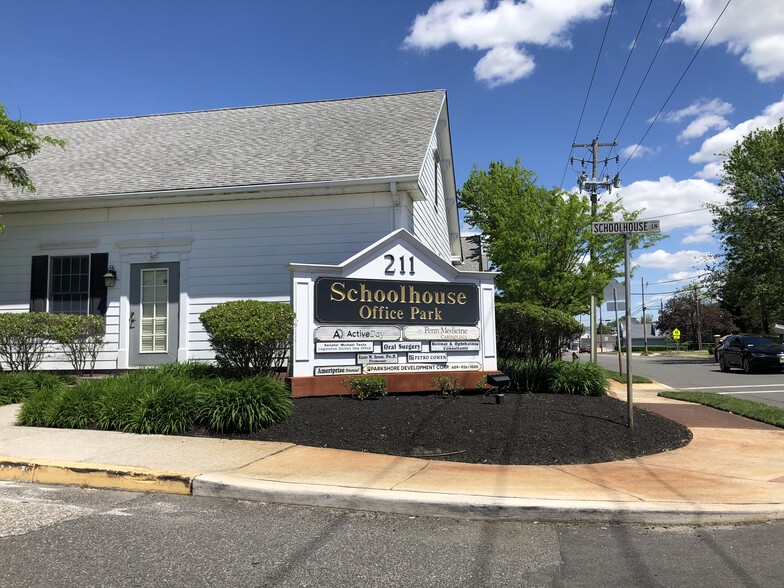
pixel 250 107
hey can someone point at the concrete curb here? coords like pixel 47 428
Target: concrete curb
pixel 95 476
pixel 479 507
pixel 434 504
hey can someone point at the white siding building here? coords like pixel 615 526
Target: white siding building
pixel 197 208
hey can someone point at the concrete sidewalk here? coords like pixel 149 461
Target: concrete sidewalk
pixel 732 471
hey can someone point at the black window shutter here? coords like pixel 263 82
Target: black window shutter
pixel 39 280
pixel 99 264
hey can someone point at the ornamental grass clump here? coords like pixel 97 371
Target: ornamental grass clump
pixel 168 400
pixel 527 375
pixel 73 408
pixel 18 386
pixel 37 408
pixel 162 410
pixel 244 406
pixel 581 379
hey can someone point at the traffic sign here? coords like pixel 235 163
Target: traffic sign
pixel 623 227
pixel 676 334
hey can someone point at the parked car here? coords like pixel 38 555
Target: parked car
pixel 585 349
pixel 751 352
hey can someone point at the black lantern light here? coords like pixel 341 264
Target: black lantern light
pixel 110 277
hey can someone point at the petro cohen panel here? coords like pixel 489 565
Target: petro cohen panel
pixel 340 300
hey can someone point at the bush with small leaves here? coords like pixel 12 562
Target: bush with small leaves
pixel 81 337
pixel 447 385
pixel 366 386
pixel 250 337
pixel 23 337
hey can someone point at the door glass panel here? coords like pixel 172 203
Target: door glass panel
pixel 154 310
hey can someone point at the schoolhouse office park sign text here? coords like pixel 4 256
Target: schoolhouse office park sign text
pixel 345 300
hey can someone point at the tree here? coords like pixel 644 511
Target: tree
pixel 539 239
pixel 689 314
pixel 18 143
pixel 749 270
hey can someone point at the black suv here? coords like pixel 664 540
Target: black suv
pixel 751 352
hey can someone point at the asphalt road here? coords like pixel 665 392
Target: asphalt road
pixel 689 373
pixel 69 536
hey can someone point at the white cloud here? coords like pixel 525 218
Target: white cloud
pixel 637 150
pixel 703 234
pixel 503 65
pixel 712 148
pixel 501 31
pixel 749 28
pixel 710 171
pixel 678 203
pixel 681 276
pixel 680 260
pixel 707 115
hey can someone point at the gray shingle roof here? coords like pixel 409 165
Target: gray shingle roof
pixel 356 138
pixel 474 259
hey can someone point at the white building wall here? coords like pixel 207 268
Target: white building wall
pixel 430 222
pixel 227 250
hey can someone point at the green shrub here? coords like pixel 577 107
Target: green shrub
pixel 249 336
pixel 15 387
pixel 37 408
pixel 168 400
pixel 115 404
pixel 23 337
pixel 81 337
pixel 163 410
pixel 581 379
pixel 527 375
pixel 533 332
pixel 447 385
pixel 244 406
pixel 74 408
pixel 366 386
pixel 18 386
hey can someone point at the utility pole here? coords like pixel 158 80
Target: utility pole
pixel 593 185
pixel 699 326
pixel 644 320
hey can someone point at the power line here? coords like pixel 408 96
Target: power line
pixel 588 93
pixel 625 65
pixel 650 66
pixel 676 213
pixel 678 83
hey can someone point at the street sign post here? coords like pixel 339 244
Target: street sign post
pixel 676 336
pixel 626 228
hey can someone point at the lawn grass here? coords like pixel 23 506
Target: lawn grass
pixel 618 377
pixel 757 411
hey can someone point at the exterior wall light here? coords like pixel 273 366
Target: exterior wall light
pixel 110 277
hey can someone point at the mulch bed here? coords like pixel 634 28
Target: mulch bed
pixel 525 429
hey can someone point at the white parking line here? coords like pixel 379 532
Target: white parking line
pixel 754 392
pixel 728 387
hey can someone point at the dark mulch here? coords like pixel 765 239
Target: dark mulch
pixel 540 429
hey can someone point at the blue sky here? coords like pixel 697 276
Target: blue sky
pixel 517 76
